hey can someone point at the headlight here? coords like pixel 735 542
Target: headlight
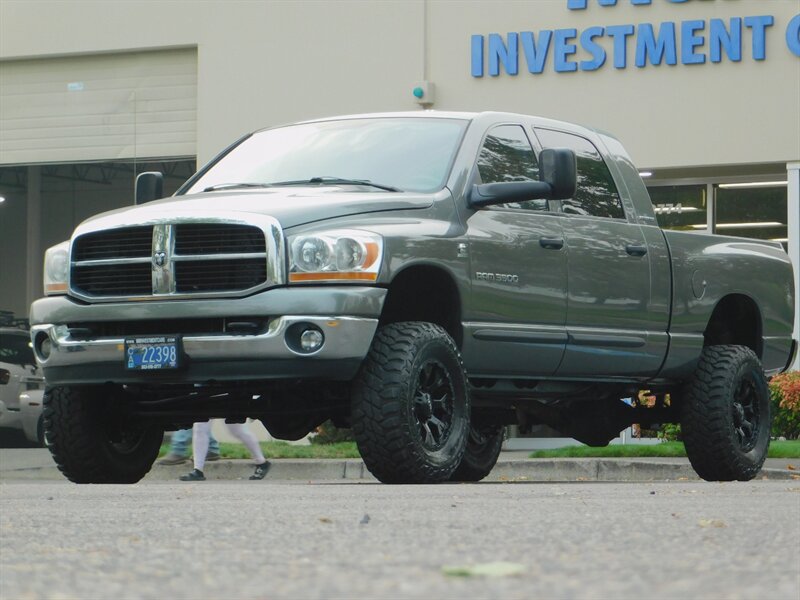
pixel 56 269
pixel 344 255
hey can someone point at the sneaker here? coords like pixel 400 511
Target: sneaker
pixel 173 459
pixel 261 470
pixel 195 475
pixel 212 456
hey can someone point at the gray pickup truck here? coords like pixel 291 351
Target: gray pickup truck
pixel 424 278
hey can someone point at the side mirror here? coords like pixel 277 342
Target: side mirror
pixel 502 193
pixel 149 186
pixel 557 181
pixel 558 168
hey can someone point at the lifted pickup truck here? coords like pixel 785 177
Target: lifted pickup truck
pixel 424 278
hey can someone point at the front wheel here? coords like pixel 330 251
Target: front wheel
pixel 725 415
pixel 410 405
pixel 91 442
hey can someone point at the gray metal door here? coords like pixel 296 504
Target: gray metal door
pixel 514 325
pixel 608 267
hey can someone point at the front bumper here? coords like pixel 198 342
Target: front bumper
pixel 347 317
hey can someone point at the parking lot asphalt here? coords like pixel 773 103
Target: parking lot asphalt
pixel 36 463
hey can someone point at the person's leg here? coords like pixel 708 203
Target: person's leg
pixel 241 432
pixel 182 439
pixel 180 442
pixel 178 448
pixel 200 435
pixel 200 440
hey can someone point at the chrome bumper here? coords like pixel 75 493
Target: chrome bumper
pixel 346 315
pixel 214 357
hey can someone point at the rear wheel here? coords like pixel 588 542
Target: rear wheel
pixel 91 442
pixel 410 405
pixel 483 449
pixel 725 415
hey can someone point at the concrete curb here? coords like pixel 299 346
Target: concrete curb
pixel 516 470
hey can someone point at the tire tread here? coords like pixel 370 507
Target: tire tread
pixel 76 444
pixel 383 435
pixel 706 416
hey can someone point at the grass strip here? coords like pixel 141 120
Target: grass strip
pixel 777 449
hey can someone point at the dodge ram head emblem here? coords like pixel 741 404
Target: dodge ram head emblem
pixel 159 259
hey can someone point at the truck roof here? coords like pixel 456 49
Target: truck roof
pixel 439 114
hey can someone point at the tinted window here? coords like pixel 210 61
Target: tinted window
pixel 597 194
pixel 15 349
pixel 507 155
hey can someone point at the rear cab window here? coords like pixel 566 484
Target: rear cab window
pixel 597 194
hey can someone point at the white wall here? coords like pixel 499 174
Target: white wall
pixel 264 63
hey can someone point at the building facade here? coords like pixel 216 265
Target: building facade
pixel 704 94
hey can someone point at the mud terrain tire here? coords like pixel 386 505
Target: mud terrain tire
pixel 483 449
pixel 87 444
pixel 725 415
pixel 410 405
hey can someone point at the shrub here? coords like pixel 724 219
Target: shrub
pixel 785 396
pixel 670 432
pixel 328 433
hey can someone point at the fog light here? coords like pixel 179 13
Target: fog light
pixel 311 340
pixel 43 346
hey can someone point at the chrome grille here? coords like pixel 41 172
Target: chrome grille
pixel 129 242
pixel 196 238
pixel 169 259
pixel 113 279
pixel 219 275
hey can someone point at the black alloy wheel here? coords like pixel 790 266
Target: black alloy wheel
pixel 725 414
pixel 410 405
pixel 746 415
pixel 433 405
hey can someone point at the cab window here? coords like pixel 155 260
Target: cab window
pixel 506 156
pixel 597 194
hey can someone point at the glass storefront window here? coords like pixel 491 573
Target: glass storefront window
pixel 753 212
pixel 681 207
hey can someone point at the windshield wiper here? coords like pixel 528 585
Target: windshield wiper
pixel 336 181
pixel 233 186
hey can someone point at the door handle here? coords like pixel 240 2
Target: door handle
pixel 551 243
pixel 634 250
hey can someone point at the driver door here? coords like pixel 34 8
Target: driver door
pixel 515 323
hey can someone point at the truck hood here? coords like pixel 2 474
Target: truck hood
pixel 291 207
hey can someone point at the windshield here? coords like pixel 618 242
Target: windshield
pixel 407 154
pixel 15 348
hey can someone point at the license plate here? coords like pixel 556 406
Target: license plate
pixel 152 353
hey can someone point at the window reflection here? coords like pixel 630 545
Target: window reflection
pixel 507 156
pixel 758 212
pixel 412 154
pixel 596 194
pixel 680 207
